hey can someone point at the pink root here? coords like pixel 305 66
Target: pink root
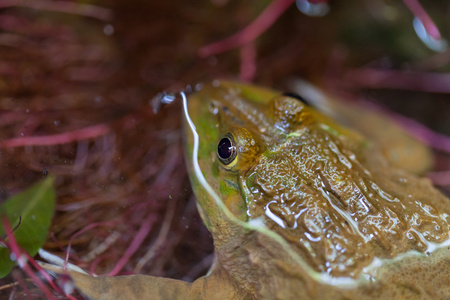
pixel 270 14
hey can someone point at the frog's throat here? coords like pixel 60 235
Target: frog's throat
pixel 344 282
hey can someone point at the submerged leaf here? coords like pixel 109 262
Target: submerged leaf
pixel 32 212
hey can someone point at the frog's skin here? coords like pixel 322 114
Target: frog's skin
pixel 307 209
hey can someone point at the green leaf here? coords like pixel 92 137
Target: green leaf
pixel 35 207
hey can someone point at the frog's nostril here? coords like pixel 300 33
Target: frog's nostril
pixel 296 96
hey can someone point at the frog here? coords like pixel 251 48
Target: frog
pixel 300 206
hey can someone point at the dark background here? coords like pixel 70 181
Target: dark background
pixel 97 69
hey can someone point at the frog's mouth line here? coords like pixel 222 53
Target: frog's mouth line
pixel 323 278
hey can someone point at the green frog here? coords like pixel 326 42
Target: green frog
pixel 302 207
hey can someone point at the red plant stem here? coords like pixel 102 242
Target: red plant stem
pixel 420 13
pixel 394 79
pixel 135 244
pixel 89 227
pixel 248 62
pixel 94 131
pixel 441 178
pixel 14 247
pixel 270 14
pixel 10 117
pixel 58 244
pixel 56 139
pixel 435 140
pixel 86 10
pixel 94 264
pixel 42 271
pixel 47 277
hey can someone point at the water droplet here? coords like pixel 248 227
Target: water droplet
pixel 67 285
pixel 13 257
pixel 21 134
pixel 108 29
pixel 213 108
pixel 428 40
pixel 312 238
pixel 168 98
pixel 216 83
pixel 313 9
pixel 198 87
pixel 56 122
pixel 258 222
pixel 273 216
pixel 22 261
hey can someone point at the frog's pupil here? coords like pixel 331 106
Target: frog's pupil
pixel 296 96
pixel 226 150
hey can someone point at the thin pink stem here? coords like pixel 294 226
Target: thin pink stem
pixel 135 244
pixel 394 79
pixel 87 10
pixel 248 62
pixel 89 227
pixel 441 178
pixel 56 139
pixel 270 14
pixel 420 13
pixel 94 264
pixel 42 271
pixel 47 277
pixel 435 140
pixel 23 264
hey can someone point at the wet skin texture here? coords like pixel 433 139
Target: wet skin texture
pixel 326 190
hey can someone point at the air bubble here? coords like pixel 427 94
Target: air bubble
pixel 108 29
pixel 428 40
pixel 311 9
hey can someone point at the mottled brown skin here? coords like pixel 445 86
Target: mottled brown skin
pixel 307 209
pixel 332 195
pixel 338 201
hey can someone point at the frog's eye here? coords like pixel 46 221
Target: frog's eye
pixel 296 96
pixel 226 149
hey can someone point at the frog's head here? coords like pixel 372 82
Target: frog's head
pixel 269 158
pixel 237 126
